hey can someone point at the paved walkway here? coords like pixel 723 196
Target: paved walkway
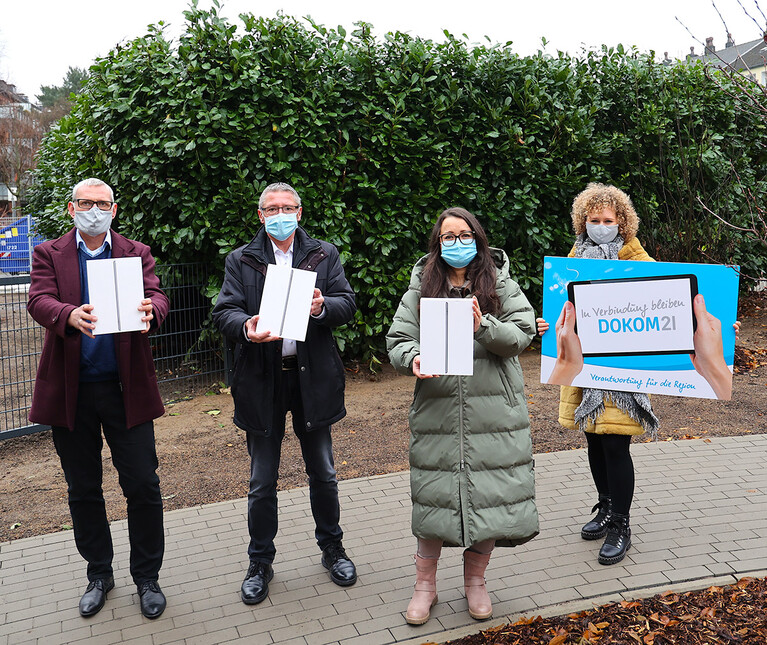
pixel 699 517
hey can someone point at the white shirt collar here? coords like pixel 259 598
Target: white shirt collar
pixel 280 255
pixel 82 245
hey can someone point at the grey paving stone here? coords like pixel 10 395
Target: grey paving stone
pixel 375 638
pixel 698 516
pixel 687 574
pixel 213 638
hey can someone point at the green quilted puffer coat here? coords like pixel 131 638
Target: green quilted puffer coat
pixel 471 462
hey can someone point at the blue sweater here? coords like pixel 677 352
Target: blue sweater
pixel 97 355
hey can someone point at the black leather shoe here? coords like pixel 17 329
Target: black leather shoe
pixel 151 598
pixel 597 527
pixel 341 568
pixel 95 595
pixel 255 587
pixel 618 540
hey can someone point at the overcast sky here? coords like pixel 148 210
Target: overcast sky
pixel 40 39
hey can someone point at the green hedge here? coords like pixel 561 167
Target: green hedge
pixel 380 135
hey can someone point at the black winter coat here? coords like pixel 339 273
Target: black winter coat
pixel 258 366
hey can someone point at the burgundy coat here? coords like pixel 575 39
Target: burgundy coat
pixel 53 293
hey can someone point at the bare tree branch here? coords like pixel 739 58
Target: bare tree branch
pixel 759 9
pixel 20 136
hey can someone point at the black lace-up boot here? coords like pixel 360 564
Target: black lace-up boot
pixel 618 540
pixel 597 527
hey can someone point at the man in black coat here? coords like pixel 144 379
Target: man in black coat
pixel 273 375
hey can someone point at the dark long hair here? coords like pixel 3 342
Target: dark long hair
pixel 480 272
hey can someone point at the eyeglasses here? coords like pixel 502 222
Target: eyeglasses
pixel 87 204
pixel 273 210
pixel 448 239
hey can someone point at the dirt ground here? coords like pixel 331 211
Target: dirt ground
pixel 203 457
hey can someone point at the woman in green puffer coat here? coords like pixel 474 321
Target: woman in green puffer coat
pixel 471 464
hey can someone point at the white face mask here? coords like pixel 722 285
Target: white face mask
pixel 93 222
pixel 601 233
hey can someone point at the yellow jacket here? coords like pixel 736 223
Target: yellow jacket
pixel 613 420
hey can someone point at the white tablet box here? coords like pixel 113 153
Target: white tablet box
pixel 286 302
pixel 116 289
pixel 447 336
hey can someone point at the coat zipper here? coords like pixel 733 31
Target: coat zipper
pixel 460 419
pixel 462 483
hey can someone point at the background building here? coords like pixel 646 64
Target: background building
pixel 749 59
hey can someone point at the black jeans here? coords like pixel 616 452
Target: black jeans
pixel 135 458
pixel 612 468
pixel 264 451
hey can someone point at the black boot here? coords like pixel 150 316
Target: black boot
pixel 597 527
pixel 618 540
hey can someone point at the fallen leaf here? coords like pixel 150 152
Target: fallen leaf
pixel 526 621
pixel 213 413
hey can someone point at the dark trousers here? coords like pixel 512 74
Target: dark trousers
pixel 264 451
pixel 612 468
pixel 100 405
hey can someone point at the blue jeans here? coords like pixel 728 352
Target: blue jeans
pixel 264 451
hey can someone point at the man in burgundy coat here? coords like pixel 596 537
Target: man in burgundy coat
pixel 87 383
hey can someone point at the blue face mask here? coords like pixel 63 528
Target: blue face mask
pixel 459 255
pixel 281 226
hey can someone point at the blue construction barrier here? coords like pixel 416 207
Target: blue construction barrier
pixel 16 246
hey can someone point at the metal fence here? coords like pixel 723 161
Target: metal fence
pixel 21 341
pixel 188 353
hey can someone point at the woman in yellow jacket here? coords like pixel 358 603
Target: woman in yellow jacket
pixel 605 225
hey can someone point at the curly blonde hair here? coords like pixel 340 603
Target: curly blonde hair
pixel 598 196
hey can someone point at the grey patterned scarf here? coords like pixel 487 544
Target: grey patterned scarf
pixel 636 405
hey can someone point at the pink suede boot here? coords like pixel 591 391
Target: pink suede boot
pixel 474 565
pixel 425 594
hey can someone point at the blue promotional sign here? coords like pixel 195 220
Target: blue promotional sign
pixel 16 244
pixel 653 327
